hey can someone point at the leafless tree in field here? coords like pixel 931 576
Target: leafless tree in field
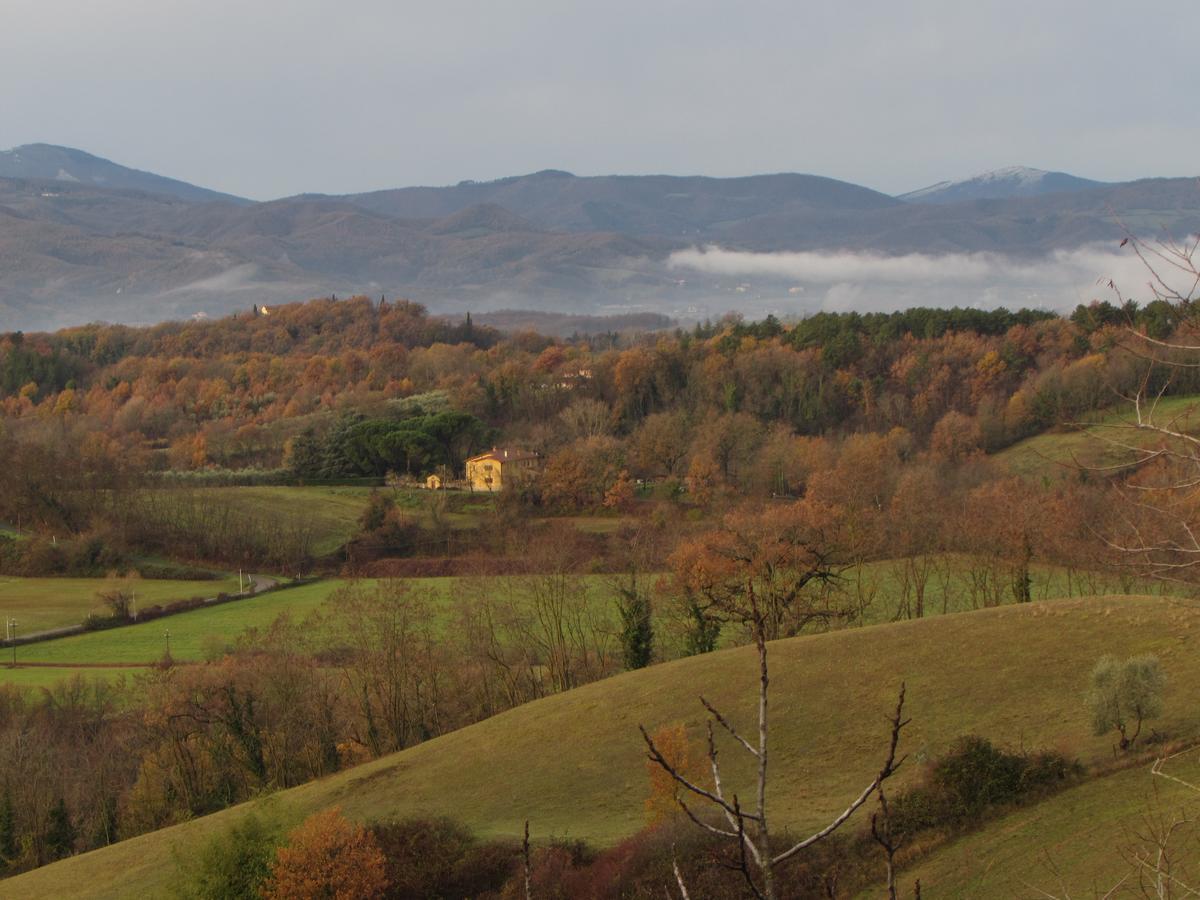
pixel 749 827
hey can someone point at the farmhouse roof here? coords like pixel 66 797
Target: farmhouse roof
pixel 504 455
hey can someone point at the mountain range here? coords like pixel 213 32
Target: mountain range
pixel 82 238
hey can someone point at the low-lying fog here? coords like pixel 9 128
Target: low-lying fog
pixel 798 283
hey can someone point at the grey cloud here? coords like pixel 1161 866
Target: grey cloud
pixel 273 97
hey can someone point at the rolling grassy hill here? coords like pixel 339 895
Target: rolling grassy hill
pixel 573 765
pixel 1057 453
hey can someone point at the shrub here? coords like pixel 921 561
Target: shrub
pixel 176 572
pixel 118 600
pixel 441 858
pixel 233 864
pixel 60 832
pixel 974 777
pixel 325 857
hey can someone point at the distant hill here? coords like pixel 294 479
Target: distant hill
pixel 53 163
pixel 1014 181
pixel 662 205
pixel 82 238
pixel 76 253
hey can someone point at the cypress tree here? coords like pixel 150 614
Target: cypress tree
pixel 637 630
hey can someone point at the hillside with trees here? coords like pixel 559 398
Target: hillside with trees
pixel 838 487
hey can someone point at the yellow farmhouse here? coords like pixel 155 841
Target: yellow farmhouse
pixel 491 471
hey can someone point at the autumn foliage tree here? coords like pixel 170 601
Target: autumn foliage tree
pixel 765 567
pixel 662 802
pixel 327 857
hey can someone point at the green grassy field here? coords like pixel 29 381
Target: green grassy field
pixel 43 603
pixel 48 676
pixel 1014 674
pixel 950 588
pixel 332 511
pixel 193 632
pixel 146 642
pixel 1057 453
pixel 1074 844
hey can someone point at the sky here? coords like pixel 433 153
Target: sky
pixel 267 98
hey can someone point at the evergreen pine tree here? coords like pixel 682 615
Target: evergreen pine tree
pixel 60 831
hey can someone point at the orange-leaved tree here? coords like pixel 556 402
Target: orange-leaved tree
pixel 673 742
pixel 327 857
pixel 766 567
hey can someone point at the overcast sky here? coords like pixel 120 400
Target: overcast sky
pixel 266 98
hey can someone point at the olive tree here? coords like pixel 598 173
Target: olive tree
pixel 1123 695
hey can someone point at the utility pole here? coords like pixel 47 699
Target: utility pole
pixel 167 638
pixel 12 636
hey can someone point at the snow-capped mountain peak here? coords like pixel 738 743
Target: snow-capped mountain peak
pixel 1011 181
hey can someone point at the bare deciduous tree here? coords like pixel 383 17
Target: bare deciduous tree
pixel 750 828
pixel 1157 523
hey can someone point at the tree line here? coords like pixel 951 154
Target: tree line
pixel 245 391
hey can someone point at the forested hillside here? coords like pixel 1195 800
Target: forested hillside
pixel 233 393
pixel 842 470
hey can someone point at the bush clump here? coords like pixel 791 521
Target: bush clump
pixel 442 858
pixel 234 863
pixel 973 778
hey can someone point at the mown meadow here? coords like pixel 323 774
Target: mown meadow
pixel 39 604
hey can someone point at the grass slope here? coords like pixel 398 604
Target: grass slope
pixel 1055 453
pixel 43 603
pixel 332 512
pixel 1076 843
pixel 573 763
